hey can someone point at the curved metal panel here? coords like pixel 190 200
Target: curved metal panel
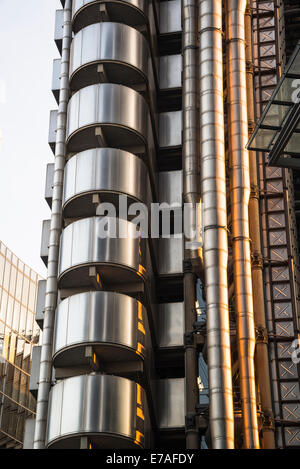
pixel 105 320
pixel 101 407
pixel 121 112
pixel 131 12
pixel 95 241
pixel 108 171
pixel 123 50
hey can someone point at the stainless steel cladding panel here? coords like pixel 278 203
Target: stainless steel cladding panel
pixel 83 242
pixel 132 12
pixel 56 78
pixel 170 256
pixel 171 325
pixel 106 170
pixel 170 68
pixel 58 31
pixel 100 318
pixel 170 187
pixel 170 16
pixel 45 241
pixel 170 129
pixel 49 183
pixel 109 42
pixel 102 407
pixel 170 399
pixel 52 130
pixel 109 105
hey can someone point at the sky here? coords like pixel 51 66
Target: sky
pixel 27 50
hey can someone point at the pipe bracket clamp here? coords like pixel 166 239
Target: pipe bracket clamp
pixel 261 335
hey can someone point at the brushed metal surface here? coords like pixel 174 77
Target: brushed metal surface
pixel 107 171
pixel 105 320
pixel 170 256
pixel 171 325
pixel 81 245
pixel 170 72
pixel 121 112
pixel 171 187
pixel 131 12
pixel 122 49
pixel 170 16
pixel 170 129
pixel 171 403
pixel 102 407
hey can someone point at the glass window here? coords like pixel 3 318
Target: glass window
pixel 16 316
pixel 6 275
pixel 29 324
pixel 2 264
pixel 25 291
pixel 10 310
pixel 19 286
pixel 32 295
pixel 13 280
pixel 22 320
pixel 3 306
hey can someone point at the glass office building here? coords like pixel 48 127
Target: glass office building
pixel 18 333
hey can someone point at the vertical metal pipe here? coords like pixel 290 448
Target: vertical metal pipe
pixel 261 351
pixel 240 193
pixel 191 191
pixel 55 231
pixel 215 223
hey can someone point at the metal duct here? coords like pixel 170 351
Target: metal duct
pixel 191 191
pixel 240 194
pixel 215 224
pixel 261 351
pixel 55 230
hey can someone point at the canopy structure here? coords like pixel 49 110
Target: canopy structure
pixel 278 131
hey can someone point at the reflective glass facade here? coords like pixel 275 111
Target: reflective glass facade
pixel 18 333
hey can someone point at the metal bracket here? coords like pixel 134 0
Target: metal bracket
pixel 261 335
pixel 189 338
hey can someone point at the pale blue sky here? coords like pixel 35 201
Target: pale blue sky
pixel 26 53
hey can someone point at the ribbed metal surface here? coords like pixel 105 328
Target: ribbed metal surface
pixel 120 111
pixel 102 407
pixel 113 324
pixel 239 195
pixel 122 49
pixel 131 12
pixel 122 259
pixel 106 171
pixel 215 224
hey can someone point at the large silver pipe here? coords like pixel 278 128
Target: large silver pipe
pixel 190 119
pixel 240 194
pixel 55 231
pixel 215 223
pixel 190 124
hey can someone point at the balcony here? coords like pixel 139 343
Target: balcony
pixel 108 52
pixel 107 172
pixel 117 333
pixel 132 12
pixel 94 242
pixel 108 410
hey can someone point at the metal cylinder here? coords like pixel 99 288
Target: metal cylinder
pixel 55 231
pixel 239 194
pixel 261 351
pixel 190 118
pixel 215 223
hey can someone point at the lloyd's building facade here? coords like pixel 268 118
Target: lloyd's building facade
pixel 181 340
